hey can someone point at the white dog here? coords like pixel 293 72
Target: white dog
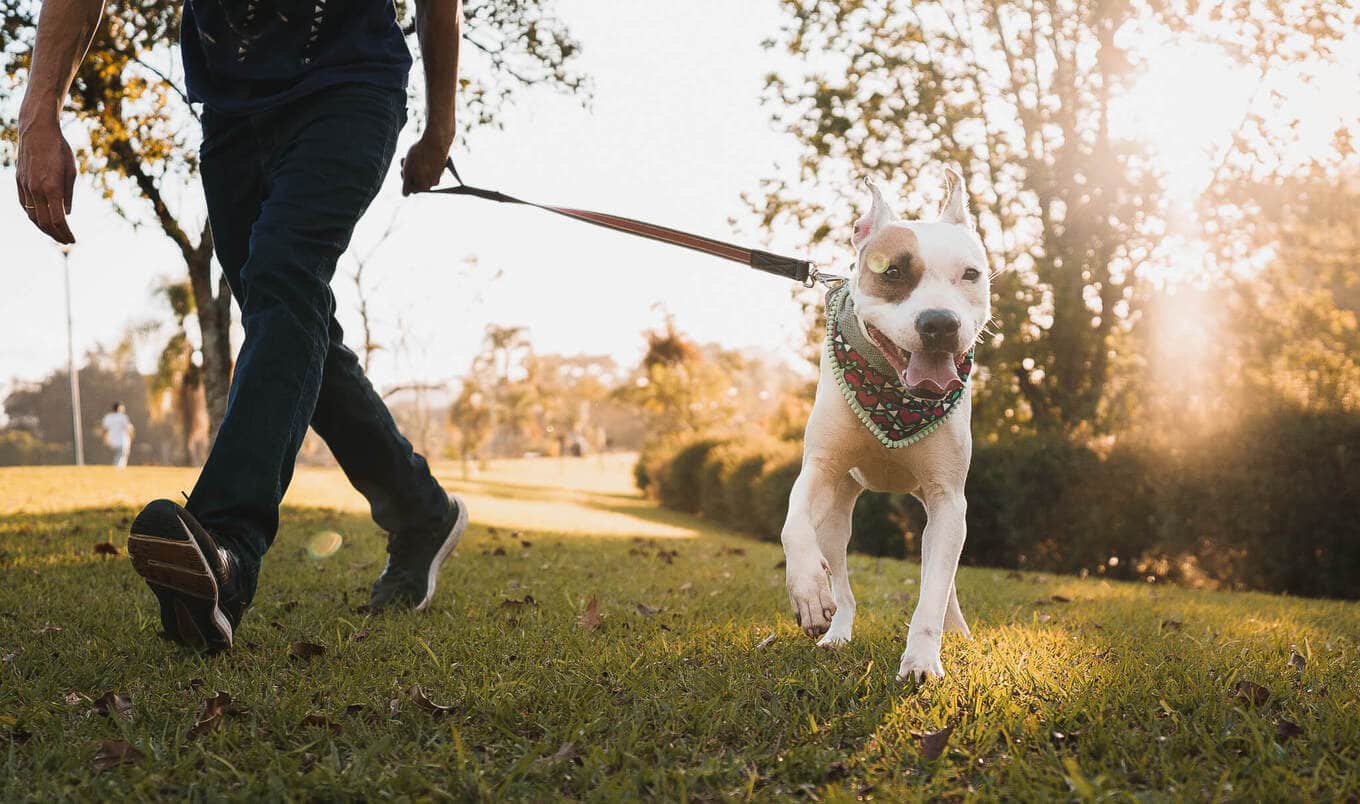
pixel 895 370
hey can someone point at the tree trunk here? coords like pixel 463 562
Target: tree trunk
pixel 214 325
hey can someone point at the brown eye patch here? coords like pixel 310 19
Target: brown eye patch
pixel 895 251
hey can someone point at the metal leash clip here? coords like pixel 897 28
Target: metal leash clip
pixel 831 281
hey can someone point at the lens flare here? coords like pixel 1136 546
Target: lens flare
pixel 324 544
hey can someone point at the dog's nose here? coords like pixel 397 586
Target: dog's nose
pixel 937 327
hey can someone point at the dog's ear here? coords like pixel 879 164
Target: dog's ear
pixel 955 208
pixel 878 216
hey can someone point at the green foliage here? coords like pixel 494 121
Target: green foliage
pixel 1270 505
pixel 1020 96
pixel 22 448
pixel 679 486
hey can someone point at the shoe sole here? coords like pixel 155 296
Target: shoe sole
pixel 450 542
pixel 177 569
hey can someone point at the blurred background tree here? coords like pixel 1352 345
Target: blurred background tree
pixel 141 136
pixel 1020 95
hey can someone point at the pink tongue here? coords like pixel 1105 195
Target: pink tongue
pixel 932 371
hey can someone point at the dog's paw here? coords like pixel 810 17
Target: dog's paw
pixel 810 596
pixel 835 636
pixel 920 662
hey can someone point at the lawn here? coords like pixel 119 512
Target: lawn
pixel 687 678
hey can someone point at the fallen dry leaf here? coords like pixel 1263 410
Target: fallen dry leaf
pixel 73 699
pixel 114 703
pixel 113 753
pixel 933 743
pixel 566 753
pixel 1296 660
pixel 1172 625
pixel 1251 693
pixel 766 642
pixel 1060 599
pixel 511 603
pixel 590 620
pixel 782 563
pixel 211 718
pixel 47 629
pixel 423 701
pixel 9 657
pixel 1287 729
pixel 320 721
pixel 647 611
pixel 106 549
pixel 686 586
pixel 305 650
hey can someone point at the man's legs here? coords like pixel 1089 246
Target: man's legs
pixel 314 167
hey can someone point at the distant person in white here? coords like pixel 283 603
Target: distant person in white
pixel 118 431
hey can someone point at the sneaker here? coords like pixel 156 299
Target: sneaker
pixel 196 581
pixel 413 561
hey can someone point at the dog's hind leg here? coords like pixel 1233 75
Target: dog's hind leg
pixel 833 536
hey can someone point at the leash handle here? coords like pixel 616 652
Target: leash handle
pixel 788 267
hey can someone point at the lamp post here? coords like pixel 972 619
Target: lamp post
pixel 76 435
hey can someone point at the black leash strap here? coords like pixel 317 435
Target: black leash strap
pixel 787 267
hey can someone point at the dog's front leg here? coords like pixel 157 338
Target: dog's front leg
pixel 805 567
pixel 942 542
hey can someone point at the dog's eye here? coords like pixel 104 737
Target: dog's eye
pixel 972 275
pixel 892 272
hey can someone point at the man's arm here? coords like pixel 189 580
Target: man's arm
pixel 439 27
pixel 46 173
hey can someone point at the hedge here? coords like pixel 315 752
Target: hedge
pixel 1273 505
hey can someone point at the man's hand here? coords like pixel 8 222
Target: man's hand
pixel 424 163
pixel 46 178
pixel 47 169
pixel 439 26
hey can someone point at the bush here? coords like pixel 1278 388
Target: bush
pixel 1272 505
pixel 678 486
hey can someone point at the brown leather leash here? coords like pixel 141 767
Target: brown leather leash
pixel 788 267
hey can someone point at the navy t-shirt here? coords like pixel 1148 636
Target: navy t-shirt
pixel 244 56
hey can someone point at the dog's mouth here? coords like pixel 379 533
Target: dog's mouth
pixel 929 375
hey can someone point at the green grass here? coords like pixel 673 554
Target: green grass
pixel 1125 691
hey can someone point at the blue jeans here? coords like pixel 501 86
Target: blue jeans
pixel 285 188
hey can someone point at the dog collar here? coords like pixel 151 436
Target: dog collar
pixel 871 387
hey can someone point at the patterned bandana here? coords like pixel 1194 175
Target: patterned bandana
pixel 871 386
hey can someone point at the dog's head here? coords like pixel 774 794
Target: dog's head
pixel 921 289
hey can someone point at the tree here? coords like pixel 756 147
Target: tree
pixel 177 385
pixel 1019 94
pixel 141 150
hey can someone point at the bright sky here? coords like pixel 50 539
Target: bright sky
pixel 675 134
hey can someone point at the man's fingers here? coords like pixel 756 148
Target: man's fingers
pixel 69 190
pixel 52 220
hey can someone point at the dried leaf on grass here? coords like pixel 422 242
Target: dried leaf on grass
pixel 766 642
pixel 1296 659
pixel 113 753
pixel 114 703
pixel 647 611
pixel 590 620
pixel 933 743
pixel 305 650
pixel 319 721
pixel 566 753
pixel 1287 729
pixel 106 549
pixel 420 699
pixel 47 629
pixel 1251 693
pixel 211 717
